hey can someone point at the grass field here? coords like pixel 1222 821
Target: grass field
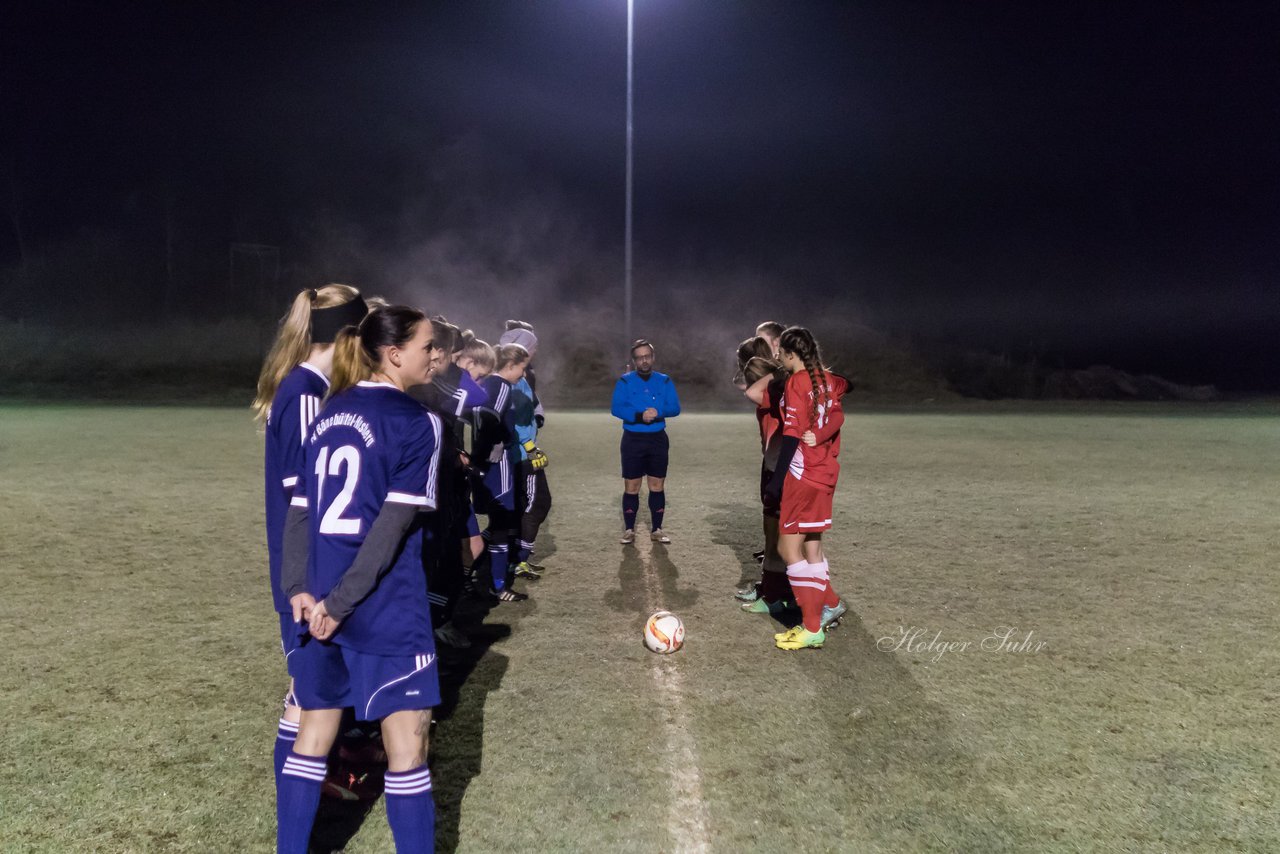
pixel 1130 554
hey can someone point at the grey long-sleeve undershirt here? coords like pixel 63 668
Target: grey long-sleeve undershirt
pixel 377 553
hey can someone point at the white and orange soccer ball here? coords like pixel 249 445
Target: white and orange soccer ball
pixel 663 632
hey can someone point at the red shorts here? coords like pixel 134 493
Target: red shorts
pixel 806 509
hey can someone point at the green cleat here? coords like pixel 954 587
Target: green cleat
pixel 762 606
pixel 525 570
pixel 802 638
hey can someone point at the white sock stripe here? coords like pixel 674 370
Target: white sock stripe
pixel 305 768
pixel 291 726
pixel 298 759
pixel 816 585
pixel 313 776
pixel 407 782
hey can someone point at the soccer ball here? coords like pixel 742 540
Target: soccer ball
pixel 663 632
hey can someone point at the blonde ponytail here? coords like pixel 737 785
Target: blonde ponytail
pixel 293 341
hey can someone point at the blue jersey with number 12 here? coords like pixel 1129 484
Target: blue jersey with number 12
pixel 371 445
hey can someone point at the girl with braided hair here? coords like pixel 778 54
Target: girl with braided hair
pixel 804 482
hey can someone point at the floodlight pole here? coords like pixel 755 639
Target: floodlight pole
pixel 626 313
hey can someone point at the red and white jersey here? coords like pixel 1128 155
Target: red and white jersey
pixel 819 465
pixel 769 416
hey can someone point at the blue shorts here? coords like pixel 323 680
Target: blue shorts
pixel 644 454
pixel 473 524
pixel 332 676
pixel 290 637
pixel 495 488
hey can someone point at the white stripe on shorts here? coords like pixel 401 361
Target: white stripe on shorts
pixel 421 662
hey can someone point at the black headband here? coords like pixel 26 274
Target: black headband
pixel 326 322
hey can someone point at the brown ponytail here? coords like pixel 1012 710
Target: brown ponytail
pixel 357 350
pixel 350 363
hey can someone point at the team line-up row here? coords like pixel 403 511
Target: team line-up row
pixel 388 432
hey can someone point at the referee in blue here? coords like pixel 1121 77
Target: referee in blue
pixel 644 399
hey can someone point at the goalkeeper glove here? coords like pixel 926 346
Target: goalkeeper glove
pixel 537 458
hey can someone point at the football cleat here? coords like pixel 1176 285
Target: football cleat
pixel 506 594
pixel 802 638
pixel 762 606
pixel 525 570
pixel 831 616
pixel 750 593
pixel 658 537
pixel 628 537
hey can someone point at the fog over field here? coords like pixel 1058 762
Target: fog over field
pixel 1050 186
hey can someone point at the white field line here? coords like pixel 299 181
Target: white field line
pixel 687 813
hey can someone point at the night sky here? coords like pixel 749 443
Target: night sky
pixel 1094 181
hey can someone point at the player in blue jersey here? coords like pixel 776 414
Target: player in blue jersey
pixel 533 493
pixel 644 399
pixel 476 359
pixel 294 379
pixel 353 574
pixel 496 458
pixel 452 395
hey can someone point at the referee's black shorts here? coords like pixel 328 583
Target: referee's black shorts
pixel 644 454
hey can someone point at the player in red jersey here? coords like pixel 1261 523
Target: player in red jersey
pixel 771 331
pixel 767 378
pixel 805 481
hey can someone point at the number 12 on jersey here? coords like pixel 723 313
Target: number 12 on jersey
pixel 345 459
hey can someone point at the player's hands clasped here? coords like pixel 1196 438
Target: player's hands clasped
pixel 649 416
pixel 322 625
pixel 809 439
pixel 302 604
